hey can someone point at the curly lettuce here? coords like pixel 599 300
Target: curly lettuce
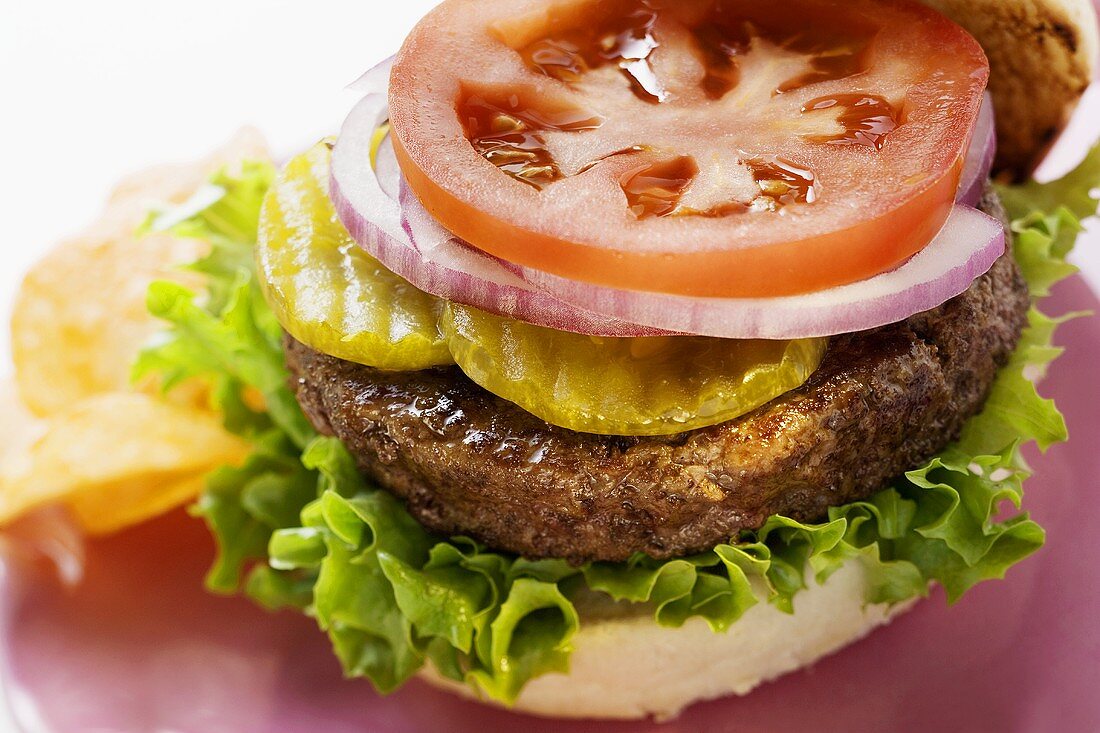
pixel 298 526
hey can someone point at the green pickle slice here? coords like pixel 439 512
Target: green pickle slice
pixel 334 297
pixel 330 294
pixel 625 386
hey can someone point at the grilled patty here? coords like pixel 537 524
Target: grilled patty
pixel 469 463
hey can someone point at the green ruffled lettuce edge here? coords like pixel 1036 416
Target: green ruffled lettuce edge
pixel 298 527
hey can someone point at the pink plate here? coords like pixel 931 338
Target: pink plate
pixel 139 647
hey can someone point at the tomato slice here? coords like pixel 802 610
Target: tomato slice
pixel 728 148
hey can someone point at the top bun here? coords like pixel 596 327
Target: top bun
pixel 1043 54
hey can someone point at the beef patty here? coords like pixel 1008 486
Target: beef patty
pixel 469 463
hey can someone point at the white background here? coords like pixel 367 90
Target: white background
pixel 92 90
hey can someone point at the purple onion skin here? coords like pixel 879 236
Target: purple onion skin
pixel 432 259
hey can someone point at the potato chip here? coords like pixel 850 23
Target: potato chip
pixel 113 455
pixel 114 507
pixel 137 194
pixel 80 317
pixel 117 459
pixel 19 430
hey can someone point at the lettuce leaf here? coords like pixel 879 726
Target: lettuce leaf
pixel 229 339
pixel 298 526
pixel 1076 192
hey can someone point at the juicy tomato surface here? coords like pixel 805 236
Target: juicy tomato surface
pixel 727 148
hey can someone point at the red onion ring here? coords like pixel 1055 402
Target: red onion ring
pixel 979 158
pixel 437 263
pixel 388 173
pixel 375 80
pixel 967 246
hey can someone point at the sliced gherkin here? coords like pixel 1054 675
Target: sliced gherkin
pixel 334 297
pixel 625 386
pixel 330 294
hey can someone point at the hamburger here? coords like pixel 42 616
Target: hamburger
pixel 686 338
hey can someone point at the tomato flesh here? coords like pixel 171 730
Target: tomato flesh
pixel 724 148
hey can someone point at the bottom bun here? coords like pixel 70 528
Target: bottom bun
pixel 629 667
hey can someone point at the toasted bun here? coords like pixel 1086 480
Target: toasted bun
pixel 1043 54
pixel 673 668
